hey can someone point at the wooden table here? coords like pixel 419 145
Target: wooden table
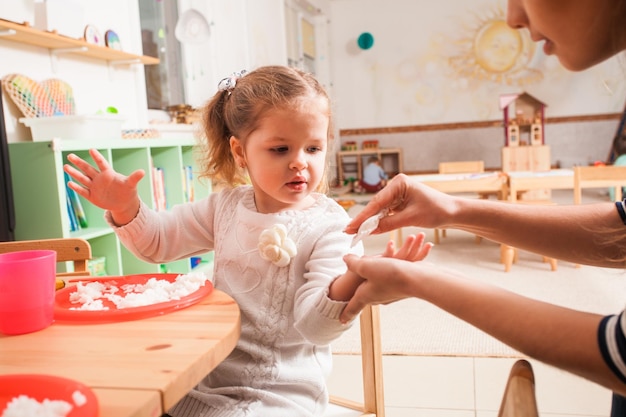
pixel 481 182
pixel 136 368
pixel 539 180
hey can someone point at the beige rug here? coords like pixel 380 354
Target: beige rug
pixel 414 327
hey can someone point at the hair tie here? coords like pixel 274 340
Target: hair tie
pixel 229 83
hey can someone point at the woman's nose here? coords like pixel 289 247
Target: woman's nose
pixel 515 14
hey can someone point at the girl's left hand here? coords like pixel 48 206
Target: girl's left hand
pixel 414 249
pixel 102 186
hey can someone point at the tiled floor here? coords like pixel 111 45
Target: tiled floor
pixel 421 386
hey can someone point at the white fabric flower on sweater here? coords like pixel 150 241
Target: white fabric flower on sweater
pixel 275 246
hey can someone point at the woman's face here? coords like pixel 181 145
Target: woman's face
pixel 578 32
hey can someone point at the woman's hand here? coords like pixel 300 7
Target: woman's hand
pixel 408 203
pixel 104 187
pixel 376 290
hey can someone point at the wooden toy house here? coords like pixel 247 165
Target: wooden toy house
pixel 524 147
pixel 523 119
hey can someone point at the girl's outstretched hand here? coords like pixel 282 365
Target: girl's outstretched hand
pixel 104 187
pixel 383 275
pixel 415 248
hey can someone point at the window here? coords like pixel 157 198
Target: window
pixel 164 82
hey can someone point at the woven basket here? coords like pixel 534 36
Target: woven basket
pixel 50 98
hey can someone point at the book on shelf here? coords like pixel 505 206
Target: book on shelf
pixel 188 183
pixel 71 215
pixel 75 204
pixel 158 186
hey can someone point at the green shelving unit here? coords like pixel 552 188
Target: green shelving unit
pixel 40 200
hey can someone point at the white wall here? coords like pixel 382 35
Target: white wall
pixel 385 86
pixel 423 68
pixel 244 34
pixel 96 85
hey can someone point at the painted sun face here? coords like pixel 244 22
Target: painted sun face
pixel 497 47
pixel 493 51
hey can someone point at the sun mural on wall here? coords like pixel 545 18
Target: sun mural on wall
pixel 466 66
pixel 490 50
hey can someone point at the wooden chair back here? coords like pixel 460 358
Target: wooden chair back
pixel 599 176
pixel 372 367
pixel 519 398
pixel 75 250
pixel 461 167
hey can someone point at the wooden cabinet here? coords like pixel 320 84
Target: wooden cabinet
pixel 40 192
pixel 350 163
pixel 526 158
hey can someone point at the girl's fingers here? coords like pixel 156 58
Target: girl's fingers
pixel 390 249
pixel 135 177
pixel 100 161
pixel 81 191
pixel 417 247
pixel 76 175
pixel 405 250
pixel 414 248
pixel 87 169
pixel 424 251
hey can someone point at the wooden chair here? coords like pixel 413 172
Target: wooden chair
pixel 372 366
pixel 460 167
pixel 519 398
pixel 599 176
pixel 74 250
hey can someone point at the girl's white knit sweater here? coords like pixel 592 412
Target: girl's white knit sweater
pixel 283 357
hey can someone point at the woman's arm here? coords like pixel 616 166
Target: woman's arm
pixel 589 234
pixel 555 335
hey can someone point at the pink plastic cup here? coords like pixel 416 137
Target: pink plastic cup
pixel 27 285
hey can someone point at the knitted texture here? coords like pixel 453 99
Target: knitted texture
pixel 282 359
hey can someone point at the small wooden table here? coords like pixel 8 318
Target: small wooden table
pixel 539 180
pixel 480 182
pixel 136 368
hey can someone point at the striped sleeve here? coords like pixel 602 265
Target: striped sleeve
pixel 612 343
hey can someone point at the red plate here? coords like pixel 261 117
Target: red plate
pixel 63 307
pixel 40 387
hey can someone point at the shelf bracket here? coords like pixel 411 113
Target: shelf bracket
pixel 112 65
pixel 54 53
pixel 8 32
pixel 60 51
pixel 126 62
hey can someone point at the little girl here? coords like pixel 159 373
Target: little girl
pixel 278 242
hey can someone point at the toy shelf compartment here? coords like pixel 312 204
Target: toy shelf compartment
pixel 40 193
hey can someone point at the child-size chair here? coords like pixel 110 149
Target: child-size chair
pixel 372 367
pixel 519 394
pixel 74 250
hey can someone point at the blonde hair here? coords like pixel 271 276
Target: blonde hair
pixel 236 111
